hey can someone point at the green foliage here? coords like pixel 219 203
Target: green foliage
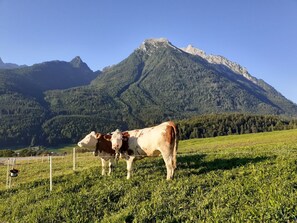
pixel 231 124
pixel 33 151
pixel 246 178
pixel 23 108
pixel 70 129
pixel 7 153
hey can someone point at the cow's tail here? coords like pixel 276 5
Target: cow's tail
pixel 175 145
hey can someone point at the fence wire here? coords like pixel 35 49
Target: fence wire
pixel 62 165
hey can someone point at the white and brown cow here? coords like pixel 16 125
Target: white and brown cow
pixel 161 139
pixel 102 146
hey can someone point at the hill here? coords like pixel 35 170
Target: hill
pixel 23 108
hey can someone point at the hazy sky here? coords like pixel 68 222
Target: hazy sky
pixel 260 35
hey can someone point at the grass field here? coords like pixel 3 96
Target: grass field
pixel 247 178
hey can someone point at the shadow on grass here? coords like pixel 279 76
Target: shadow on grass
pixel 196 164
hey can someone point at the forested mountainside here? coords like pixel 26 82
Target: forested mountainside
pixel 58 102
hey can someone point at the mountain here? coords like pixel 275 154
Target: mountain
pixel 23 108
pixel 49 75
pixel 58 102
pixel 159 80
pixel 9 65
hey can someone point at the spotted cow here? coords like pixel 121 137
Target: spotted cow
pixel 161 139
pixel 102 146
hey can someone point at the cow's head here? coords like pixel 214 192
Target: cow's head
pixel 89 141
pixel 116 140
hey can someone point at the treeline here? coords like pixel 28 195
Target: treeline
pixel 32 151
pixel 70 129
pixel 232 124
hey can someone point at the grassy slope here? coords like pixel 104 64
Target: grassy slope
pixel 247 178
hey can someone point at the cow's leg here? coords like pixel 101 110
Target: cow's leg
pixel 104 165
pixel 169 165
pixel 129 166
pixel 111 165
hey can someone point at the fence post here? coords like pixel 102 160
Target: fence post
pixel 74 159
pixel 51 174
pixel 12 166
pixel 7 177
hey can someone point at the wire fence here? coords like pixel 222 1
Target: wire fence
pixel 39 168
pixel 47 167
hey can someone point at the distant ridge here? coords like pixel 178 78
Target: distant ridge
pixel 9 65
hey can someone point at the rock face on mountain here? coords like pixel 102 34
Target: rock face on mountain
pixel 220 60
pixel 58 102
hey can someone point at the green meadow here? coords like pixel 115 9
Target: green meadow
pixel 242 178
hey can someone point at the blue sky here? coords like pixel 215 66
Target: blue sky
pixel 261 35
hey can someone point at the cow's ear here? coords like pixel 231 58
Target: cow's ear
pixel 125 135
pixel 107 137
pixel 98 135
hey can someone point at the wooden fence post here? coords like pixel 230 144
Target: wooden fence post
pixel 12 166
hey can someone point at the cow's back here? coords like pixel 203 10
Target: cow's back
pixel 150 141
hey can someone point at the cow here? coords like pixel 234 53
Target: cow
pixel 102 146
pixel 161 139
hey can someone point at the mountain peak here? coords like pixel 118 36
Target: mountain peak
pixel 155 43
pixel 77 62
pixel 157 40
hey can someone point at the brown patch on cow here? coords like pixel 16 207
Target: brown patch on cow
pixel 125 135
pixel 171 123
pixel 125 144
pixel 169 134
pixel 104 145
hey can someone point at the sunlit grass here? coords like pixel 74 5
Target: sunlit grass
pixel 247 178
pixel 32 168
